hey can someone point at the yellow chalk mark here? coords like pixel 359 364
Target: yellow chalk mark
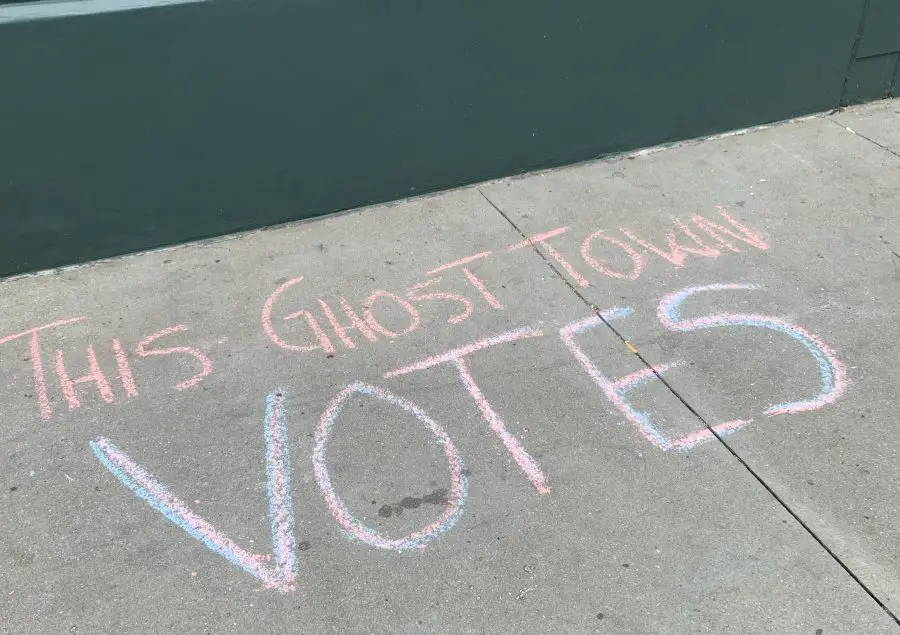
pixel 631 347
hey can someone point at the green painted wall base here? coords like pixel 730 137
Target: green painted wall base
pixel 133 130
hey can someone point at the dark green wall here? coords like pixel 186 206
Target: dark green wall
pixel 126 131
pixel 876 69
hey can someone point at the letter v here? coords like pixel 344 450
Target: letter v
pixel 284 573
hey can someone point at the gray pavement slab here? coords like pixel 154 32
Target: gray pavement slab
pixel 877 122
pixel 823 202
pixel 539 477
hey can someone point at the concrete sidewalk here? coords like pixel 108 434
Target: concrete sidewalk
pixel 643 395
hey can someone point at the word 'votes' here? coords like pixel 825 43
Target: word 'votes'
pixel 279 569
pixel 325 328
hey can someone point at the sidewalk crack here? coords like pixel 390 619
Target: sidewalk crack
pixel 870 140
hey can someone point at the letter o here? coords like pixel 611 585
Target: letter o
pixel 637 260
pixel 353 527
pixel 375 325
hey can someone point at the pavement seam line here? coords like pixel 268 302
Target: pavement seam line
pixel 753 473
pixel 859 134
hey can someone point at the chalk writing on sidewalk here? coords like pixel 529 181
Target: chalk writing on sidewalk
pixel 69 386
pixel 353 527
pixel 616 391
pixel 282 573
pixel 321 326
pixel 327 325
pixel 831 369
pixel 334 325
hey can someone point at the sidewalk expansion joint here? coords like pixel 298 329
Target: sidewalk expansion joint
pixel 862 136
